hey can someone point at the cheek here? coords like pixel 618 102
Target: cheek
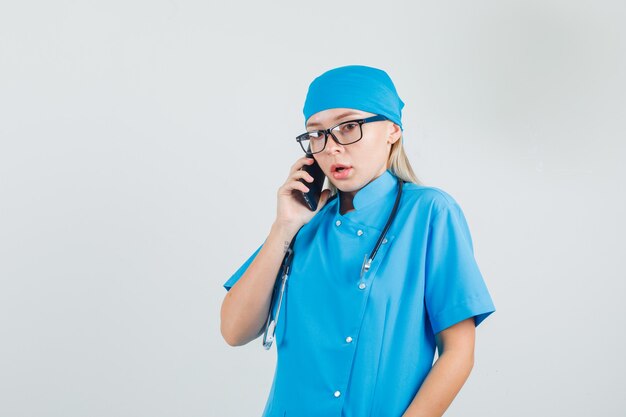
pixel 323 162
pixel 375 152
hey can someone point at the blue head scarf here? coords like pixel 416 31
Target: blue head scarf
pixel 354 87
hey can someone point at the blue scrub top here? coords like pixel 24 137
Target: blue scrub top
pixel 353 350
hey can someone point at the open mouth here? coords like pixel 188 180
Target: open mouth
pixel 339 168
pixel 341 171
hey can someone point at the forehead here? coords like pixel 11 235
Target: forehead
pixel 332 116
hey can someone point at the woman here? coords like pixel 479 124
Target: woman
pixel 354 340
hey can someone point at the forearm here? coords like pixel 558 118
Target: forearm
pixel 442 384
pixel 245 306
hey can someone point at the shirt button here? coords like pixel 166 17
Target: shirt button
pixel 384 241
pixel 348 339
pixel 359 233
pixel 337 394
pixel 338 222
pixel 362 286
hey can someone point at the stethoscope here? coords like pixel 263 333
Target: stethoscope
pixel 270 325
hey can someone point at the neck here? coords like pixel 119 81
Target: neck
pixel 345 202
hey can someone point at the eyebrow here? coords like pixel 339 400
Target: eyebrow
pixel 341 116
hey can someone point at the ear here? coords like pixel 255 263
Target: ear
pixel 394 133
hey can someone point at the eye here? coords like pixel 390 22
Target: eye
pixel 347 127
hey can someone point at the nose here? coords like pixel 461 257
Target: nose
pixel 332 146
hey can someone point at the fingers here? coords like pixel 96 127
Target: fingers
pixel 298 179
pixel 299 164
pixel 302 174
pixel 292 183
pixel 295 174
pixel 297 185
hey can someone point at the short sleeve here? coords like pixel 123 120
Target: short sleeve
pixel 454 286
pixel 235 277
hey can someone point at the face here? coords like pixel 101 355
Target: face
pixel 351 167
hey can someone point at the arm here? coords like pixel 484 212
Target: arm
pixel 245 307
pixel 456 359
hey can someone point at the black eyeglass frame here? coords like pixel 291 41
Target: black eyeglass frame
pixel 327 132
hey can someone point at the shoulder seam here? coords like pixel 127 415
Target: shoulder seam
pixel 447 197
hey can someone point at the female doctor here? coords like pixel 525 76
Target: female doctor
pixel 382 273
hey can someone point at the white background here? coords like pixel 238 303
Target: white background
pixel 142 144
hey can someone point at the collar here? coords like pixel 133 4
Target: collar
pixel 373 191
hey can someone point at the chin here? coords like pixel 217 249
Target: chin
pixel 348 186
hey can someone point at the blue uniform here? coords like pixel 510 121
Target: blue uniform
pixel 356 348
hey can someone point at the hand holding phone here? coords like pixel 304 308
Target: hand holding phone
pixel 312 197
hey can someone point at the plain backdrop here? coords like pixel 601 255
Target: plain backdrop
pixel 142 144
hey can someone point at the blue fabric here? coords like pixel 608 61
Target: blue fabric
pixel 423 280
pixel 354 87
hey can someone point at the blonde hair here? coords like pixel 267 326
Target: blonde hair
pixel 398 163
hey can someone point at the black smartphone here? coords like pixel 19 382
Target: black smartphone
pixel 312 197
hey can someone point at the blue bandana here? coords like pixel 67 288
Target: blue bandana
pixel 354 87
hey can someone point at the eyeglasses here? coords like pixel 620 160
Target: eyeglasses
pixel 343 133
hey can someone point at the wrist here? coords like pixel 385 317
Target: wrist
pixel 284 231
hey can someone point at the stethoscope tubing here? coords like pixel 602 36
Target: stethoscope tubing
pixel 270 324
